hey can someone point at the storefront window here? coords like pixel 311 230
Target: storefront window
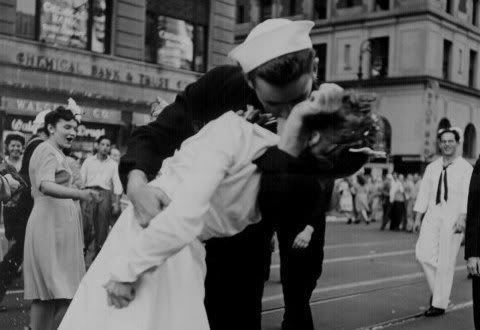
pixel 75 23
pixel 177 43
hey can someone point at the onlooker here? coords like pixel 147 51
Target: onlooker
pixel 115 154
pixel 376 200
pixel 12 260
pixel 346 200
pixel 443 200
pixel 387 182
pixel 410 196
pixel 53 259
pixel 157 107
pixel 100 173
pixel 361 200
pixel 14 144
pixel 397 201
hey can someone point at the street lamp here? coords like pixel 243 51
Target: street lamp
pixel 364 47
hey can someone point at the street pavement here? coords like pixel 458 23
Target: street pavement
pixel 370 281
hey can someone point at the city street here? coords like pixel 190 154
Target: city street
pixel 370 281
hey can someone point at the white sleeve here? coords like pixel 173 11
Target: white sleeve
pixel 83 171
pixel 117 184
pixel 465 187
pixel 423 196
pixel 182 221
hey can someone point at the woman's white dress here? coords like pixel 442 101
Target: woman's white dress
pixel 213 186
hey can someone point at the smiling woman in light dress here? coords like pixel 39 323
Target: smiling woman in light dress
pixel 53 255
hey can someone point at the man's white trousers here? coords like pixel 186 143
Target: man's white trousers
pixel 437 250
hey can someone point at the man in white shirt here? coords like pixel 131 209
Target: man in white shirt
pixel 443 199
pixel 397 202
pixel 100 172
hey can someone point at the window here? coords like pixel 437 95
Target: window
pixel 380 5
pixel 321 50
pixel 290 7
pixel 346 57
pixel 475 12
pixel 379 57
pixel 240 14
pixel 447 50
pixel 469 141
pixel 472 69
pixel 460 61
pixel 320 8
pixel 293 7
pixel 243 11
pixel 265 9
pixel 449 6
pixel 80 24
pixel 25 19
pixel 462 6
pixel 348 3
pixel 174 42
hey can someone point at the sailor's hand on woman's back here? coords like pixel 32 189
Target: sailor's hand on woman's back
pixel 147 201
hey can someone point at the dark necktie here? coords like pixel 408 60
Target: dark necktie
pixel 443 175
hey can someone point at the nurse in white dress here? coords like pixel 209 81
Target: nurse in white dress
pixel 443 199
pixel 213 186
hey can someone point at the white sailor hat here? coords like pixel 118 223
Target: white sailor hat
pixel 271 39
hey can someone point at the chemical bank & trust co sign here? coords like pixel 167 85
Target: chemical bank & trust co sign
pixel 47 58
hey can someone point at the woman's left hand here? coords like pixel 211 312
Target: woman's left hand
pixel 119 294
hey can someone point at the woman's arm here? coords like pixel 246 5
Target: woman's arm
pixel 58 191
pixel 183 219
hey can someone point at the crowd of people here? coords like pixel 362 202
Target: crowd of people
pixel 385 199
pixel 61 220
pixel 245 151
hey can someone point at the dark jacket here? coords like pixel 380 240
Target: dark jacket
pixel 472 229
pixel 218 91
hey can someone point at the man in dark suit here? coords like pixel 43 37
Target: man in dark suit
pixel 265 83
pixel 472 239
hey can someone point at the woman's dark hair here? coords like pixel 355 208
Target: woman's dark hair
pixel 448 130
pixel 53 117
pixel 14 137
pixel 285 69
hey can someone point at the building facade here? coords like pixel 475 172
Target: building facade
pixel 419 56
pixel 114 57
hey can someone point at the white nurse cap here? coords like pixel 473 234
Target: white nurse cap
pixel 271 39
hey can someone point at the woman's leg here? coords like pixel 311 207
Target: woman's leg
pixel 42 315
pixel 365 216
pixel 61 306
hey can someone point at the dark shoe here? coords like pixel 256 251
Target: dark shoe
pixel 349 222
pixel 434 311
